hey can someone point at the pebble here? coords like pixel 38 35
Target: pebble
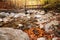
pixel 20 25
pixel 42 12
pixel 1 19
pixel 55 38
pixel 5 20
pixel 41 38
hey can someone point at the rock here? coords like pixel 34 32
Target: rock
pixel 42 12
pixel 41 38
pixel 12 34
pixel 5 20
pixel 55 38
pixel 12 15
pixel 0 19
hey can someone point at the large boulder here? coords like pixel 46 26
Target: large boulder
pixel 12 34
